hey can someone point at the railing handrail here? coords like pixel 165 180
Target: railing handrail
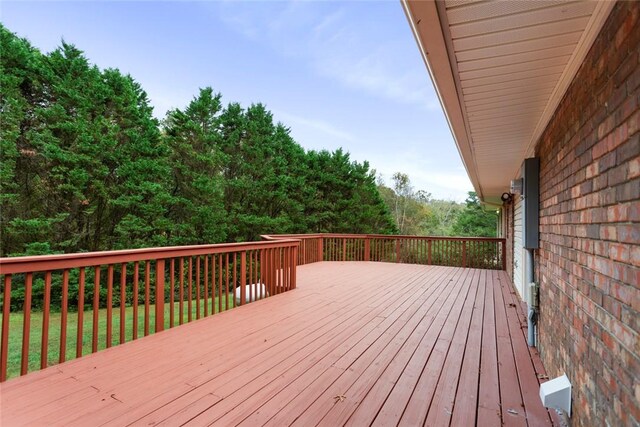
pixel 271 237
pixel 26 264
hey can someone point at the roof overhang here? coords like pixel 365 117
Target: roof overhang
pixel 500 69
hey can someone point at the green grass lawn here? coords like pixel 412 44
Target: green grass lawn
pixel 53 352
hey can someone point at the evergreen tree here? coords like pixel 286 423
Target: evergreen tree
pixel 344 197
pixel 85 167
pixel 474 220
pixel 86 157
pixel 261 162
pixel 193 136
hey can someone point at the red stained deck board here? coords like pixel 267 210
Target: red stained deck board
pixel 489 387
pixel 465 402
pixel 511 404
pixel 385 334
pixel 427 390
pixel 392 409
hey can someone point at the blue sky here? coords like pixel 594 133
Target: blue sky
pixel 339 74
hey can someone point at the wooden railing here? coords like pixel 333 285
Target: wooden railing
pixel 126 294
pixel 101 299
pixel 471 252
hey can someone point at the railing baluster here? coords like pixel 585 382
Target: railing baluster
pixel 181 308
pixel 26 325
pixel 205 284
pixel 96 308
pixel 136 274
pixel 344 249
pixel 251 281
pixel 189 289
pixel 272 270
pixel 4 344
pixel 219 283
pixel 79 334
pixel 226 288
pixel 197 287
pixel 256 276
pixel 62 353
pixel 147 295
pixel 109 305
pixel 159 297
pixel 172 284
pixel 213 284
pixel 464 254
pixel 123 301
pixel 233 283
pixel 44 343
pixel 243 277
pixel 290 261
pixel 276 270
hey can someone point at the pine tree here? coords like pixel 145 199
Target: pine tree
pixel 193 136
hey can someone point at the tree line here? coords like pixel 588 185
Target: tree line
pixel 85 166
pixel 416 212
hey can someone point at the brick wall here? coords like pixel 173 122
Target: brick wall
pixel 589 261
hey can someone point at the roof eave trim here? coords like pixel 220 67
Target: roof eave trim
pixel 439 66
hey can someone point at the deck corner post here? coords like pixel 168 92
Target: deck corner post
pixel 321 249
pixel 243 277
pixel 397 250
pixel 159 295
pixel 429 252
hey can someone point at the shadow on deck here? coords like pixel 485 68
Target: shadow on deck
pixel 357 343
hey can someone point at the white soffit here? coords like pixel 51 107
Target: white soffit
pixel 500 69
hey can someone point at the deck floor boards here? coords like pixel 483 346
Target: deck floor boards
pixel 357 343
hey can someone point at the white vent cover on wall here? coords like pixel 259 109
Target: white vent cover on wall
pixel 556 394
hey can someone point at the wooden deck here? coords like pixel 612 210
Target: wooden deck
pixel 357 343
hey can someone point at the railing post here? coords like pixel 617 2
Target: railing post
pixel 429 252
pixel 367 248
pixel 504 254
pixel 243 277
pixel 321 248
pixel 464 253
pixel 159 295
pixel 397 250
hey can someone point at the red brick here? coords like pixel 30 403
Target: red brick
pixel 634 168
pixel 634 255
pixel 608 233
pixel 618 213
pixel 619 252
